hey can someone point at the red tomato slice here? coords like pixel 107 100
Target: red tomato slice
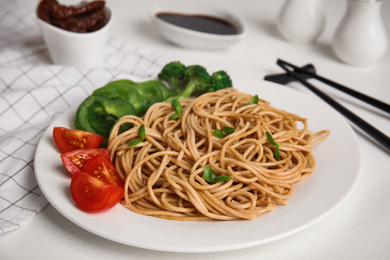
pixel 103 169
pixel 92 194
pixel 74 161
pixel 71 139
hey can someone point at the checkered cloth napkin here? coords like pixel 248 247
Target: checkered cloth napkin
pixel 33 92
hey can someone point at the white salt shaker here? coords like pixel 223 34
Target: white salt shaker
pixel 360 38
pixel 301 21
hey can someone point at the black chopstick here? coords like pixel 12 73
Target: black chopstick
pixel 366 127
pixel 372 101
pixel 285 78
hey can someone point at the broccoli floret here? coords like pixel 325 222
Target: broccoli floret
pixel 192 80
pixel 173 73
pixel 220 80
pixel 196 81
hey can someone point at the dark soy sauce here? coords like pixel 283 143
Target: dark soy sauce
pixel 200 23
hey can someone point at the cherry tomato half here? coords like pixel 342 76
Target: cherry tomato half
pixel 103 169
pixel 92 194
pixel 74 161
pixel 71 139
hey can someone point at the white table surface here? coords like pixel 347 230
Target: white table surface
pixel 358 229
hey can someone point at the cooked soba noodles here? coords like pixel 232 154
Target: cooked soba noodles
pixel 164 173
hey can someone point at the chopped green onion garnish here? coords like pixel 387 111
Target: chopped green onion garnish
pixel 209 176
pixel 277 154
pixel 221 178
pixel 174 116
pixel 228 130
pixel 134 142
pixel 255 99
pixel 141 136
pixel 141 132
pixel 225 130
pixel 272 141
pixel 270 138
pixel 218 133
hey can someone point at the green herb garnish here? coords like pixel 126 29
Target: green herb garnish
pixel 255 99
pixel 141 132
pixel 226 130
pixel 209 176
pixel 134 142
pixel 272 141
pixel 218 133
pixel 141 136
pixel 177 107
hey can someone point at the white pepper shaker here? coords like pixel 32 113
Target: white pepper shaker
pixel 360 38
pixel 301 21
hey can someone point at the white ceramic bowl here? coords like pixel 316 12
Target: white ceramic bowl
pixel 75 49
pixel 192 39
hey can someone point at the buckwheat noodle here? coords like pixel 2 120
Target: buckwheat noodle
pixel 164 173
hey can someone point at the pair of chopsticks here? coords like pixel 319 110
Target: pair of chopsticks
pixel 308 71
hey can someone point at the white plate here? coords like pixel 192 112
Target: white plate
pixel 194 39
pixel 338 167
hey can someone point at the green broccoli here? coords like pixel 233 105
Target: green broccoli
pixel 172 74
pixel 220 80
pixel 196 81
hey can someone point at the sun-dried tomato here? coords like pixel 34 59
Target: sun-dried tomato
pixel 85 17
